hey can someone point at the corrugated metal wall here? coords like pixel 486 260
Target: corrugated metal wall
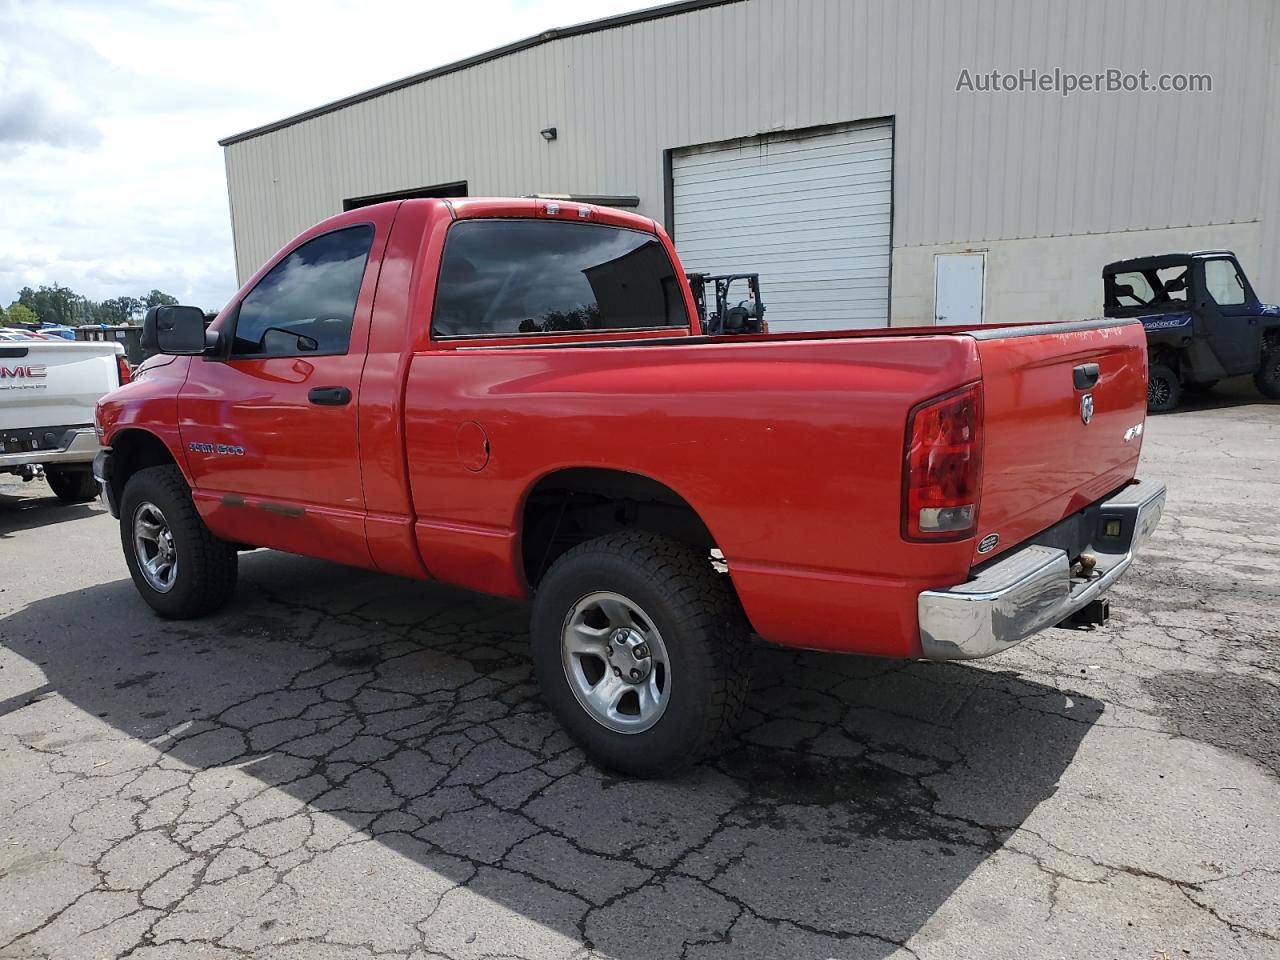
pixel 969 167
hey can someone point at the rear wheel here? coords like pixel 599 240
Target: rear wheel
pixel 180 568
pixel 1267 378
pixel 1164 391
pixel 641 651
pixel 72 484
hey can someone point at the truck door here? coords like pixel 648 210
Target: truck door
pixel 271 431
pixel 1229 316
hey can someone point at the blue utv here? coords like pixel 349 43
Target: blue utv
pixel 1203 321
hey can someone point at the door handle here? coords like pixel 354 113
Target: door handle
pixel 329 396
pixel 1085 375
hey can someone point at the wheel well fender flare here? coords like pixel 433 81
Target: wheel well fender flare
pixel 569 504
pixel 134 449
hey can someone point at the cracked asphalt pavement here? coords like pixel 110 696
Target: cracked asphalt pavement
pixel 352 766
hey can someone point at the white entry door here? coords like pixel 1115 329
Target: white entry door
pixel 957 288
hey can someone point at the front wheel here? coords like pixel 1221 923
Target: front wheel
pixel 641 651
pixel 180 568
pixel 72 484
pixel 1267 378
pixel 1164 390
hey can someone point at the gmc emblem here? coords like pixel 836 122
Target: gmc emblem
pixel 30 371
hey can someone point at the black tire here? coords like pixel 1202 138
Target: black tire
pixel 1164 390
pixel 72 484
pixel 1267 379
pixel 205 573
pixel 703 630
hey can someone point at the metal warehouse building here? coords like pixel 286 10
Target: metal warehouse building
pixel 843 149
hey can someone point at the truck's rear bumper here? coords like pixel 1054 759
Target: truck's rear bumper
pixel 1033 587
pixel 73 445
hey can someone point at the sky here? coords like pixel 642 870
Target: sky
pixel 111 178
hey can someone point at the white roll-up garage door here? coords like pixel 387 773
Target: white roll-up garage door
pixel 810 213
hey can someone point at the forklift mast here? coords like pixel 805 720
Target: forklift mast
pixel 746 317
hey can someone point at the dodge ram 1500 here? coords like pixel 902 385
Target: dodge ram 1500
pixel 514 396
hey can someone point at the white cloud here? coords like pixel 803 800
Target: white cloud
pixel 27 117
pixel 111 180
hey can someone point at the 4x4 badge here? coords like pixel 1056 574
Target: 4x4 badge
pixel 1086 407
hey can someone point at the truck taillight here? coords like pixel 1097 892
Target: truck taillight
pixel 942 472
pixel 122 365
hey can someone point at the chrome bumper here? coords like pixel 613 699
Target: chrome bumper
pixel 1032 588
pixel 79 445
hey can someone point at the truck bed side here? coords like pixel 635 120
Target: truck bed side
pixel 790 452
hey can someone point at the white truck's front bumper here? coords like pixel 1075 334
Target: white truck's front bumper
pixel 1033 588
pixel 74 445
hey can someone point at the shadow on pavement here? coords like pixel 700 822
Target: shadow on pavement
pixel 860 795
pixel 28 506
pixel 1235 392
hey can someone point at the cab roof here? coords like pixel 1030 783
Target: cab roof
pixel 544 208
pixel 1161 261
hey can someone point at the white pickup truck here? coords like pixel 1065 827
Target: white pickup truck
pixel 48 390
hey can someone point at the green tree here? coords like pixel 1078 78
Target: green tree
pixel 157 298
pixel 18 314
pixel 27 298
pixel 54 304
pixel 117 310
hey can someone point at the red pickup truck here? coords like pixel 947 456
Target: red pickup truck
pixel 515 396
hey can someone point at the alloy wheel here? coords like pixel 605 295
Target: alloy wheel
pixel 154 548
pixel 616 662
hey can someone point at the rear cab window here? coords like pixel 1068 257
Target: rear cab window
pixel 521 278
pixel 1164 288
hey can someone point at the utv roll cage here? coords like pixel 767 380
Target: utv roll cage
pixel 1163 291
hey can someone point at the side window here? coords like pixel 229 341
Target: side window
pixel 1224 283
pixel 530 276
pixel 306 303
pixel 1132 290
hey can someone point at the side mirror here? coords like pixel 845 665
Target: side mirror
pixel 175 330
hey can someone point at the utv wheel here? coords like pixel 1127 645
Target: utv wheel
pixel 1267 378
pixel 72 485
pixel 180 568
pixel 641 651
pixel 1163 389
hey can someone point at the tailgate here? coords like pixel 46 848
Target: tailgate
pixel 50 384
pixel 1046 454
